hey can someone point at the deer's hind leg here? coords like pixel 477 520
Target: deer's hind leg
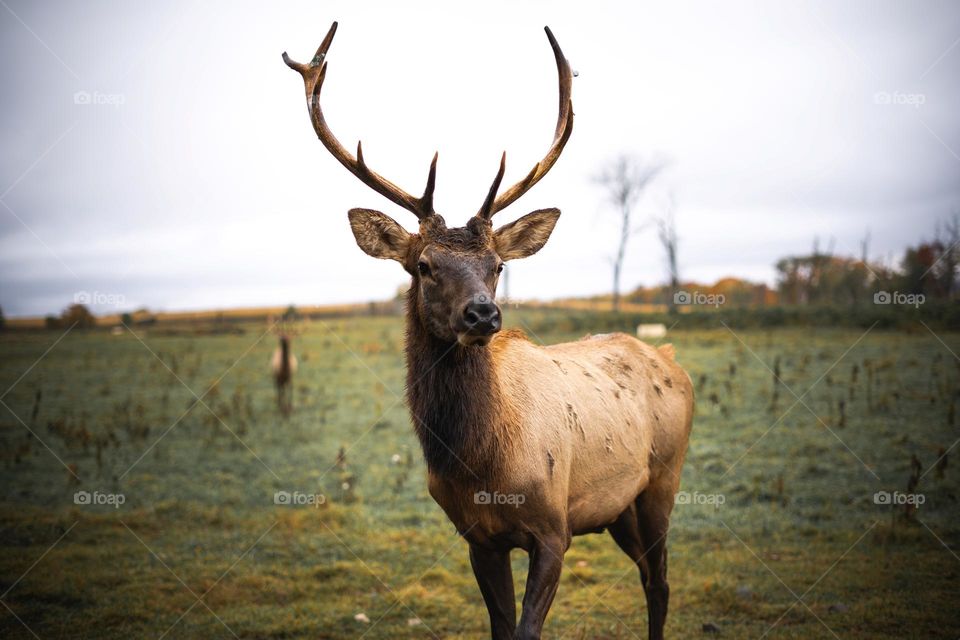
pixel 653 519
pixel 626 533
pixel 641 532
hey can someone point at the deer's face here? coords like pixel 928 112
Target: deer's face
pixel 456 275
pixel 455 271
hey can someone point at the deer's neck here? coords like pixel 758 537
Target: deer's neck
pixel 455 402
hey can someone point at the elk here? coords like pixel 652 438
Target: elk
pixel 283 365
pixel 526 446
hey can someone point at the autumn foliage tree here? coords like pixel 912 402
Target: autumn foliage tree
pixel 77 316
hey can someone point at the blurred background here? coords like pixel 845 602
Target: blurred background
pixel 160 156
pixel 203 431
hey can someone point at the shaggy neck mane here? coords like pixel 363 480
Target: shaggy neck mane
pixel 455 402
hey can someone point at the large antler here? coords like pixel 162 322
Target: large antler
pixel 493 203
pixel 313 75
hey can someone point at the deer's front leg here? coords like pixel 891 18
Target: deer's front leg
pixel 546 561
pixel 495 577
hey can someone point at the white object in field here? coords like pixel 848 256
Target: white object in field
pixel 651 330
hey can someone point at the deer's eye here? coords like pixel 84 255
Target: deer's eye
pixel 500 268
pixel 423 268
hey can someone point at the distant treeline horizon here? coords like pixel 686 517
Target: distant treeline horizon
pixel 819 288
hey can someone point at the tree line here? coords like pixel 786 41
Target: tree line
pixel 927 272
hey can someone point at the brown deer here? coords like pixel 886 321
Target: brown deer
pixel 283 365
pixel 526 446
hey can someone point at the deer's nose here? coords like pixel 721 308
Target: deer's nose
pixel 482 316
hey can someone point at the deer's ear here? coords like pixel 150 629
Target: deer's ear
pixel 525 236
pixel 379 235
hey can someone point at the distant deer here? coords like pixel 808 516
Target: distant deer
pixel 283 365
pixel 526 446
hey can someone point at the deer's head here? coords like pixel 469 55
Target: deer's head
pixel 454 270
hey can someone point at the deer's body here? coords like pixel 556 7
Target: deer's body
pixel 526 446
pixel 560 421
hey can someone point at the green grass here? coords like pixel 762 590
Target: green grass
pixel 199 518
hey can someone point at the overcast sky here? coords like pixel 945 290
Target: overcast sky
pixel 192 178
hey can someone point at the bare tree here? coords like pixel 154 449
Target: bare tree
pixel 948 236
pixel 625 179
pixel 667 232
pixel 865 247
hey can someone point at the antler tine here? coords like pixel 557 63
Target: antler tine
pixel 486 211
pixel 426 200
pixel 313 76
pixel 560 137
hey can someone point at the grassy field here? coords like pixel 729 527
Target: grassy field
pixel 781 536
